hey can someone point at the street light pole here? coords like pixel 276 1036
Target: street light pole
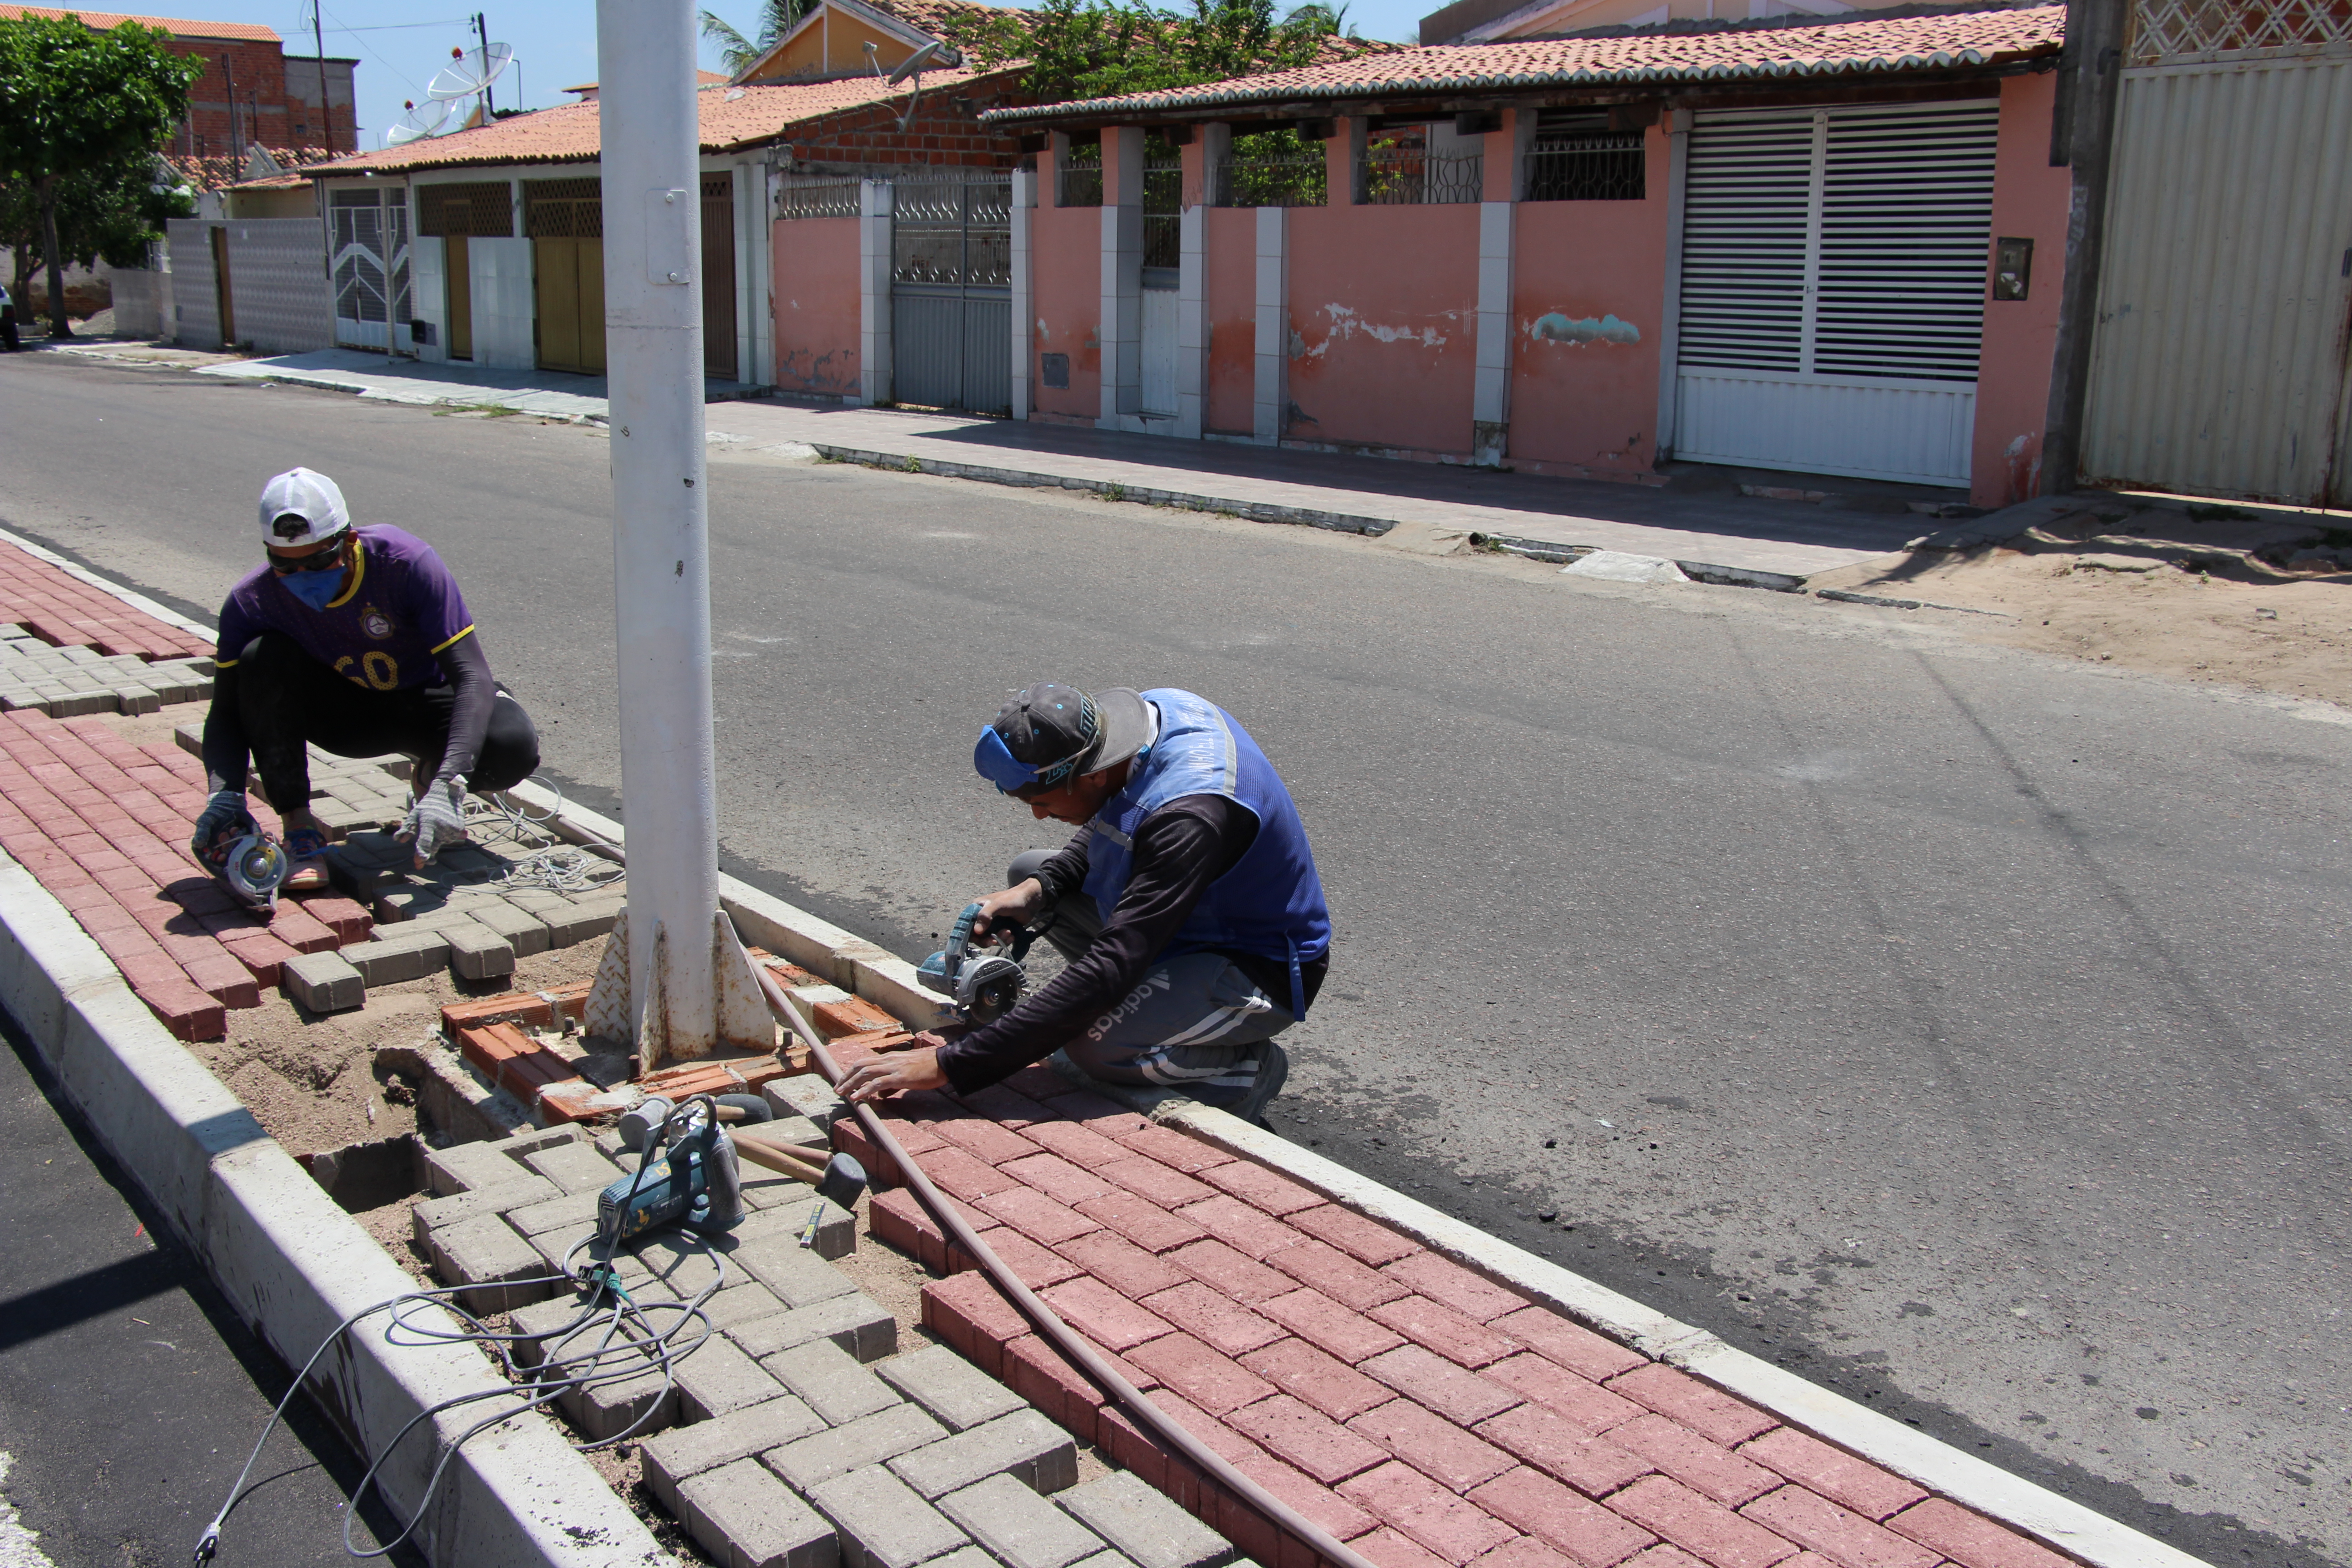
pixel 653 337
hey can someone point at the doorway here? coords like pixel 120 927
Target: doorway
pixel 222 298
pixel 565 221
pixel 460 291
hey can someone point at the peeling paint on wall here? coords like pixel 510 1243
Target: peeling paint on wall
pixel 1347 324
pixel 1555 328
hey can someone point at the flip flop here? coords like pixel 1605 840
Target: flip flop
pixel 307 848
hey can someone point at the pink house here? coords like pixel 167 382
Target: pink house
pixel 1821 246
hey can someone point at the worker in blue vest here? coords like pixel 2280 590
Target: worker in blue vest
pixel 1187 905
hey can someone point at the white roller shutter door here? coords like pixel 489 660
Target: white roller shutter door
pixel 1832 289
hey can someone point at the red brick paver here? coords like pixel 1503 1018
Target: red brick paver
pixel 65 612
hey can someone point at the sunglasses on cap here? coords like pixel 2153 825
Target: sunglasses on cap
pixel 1025 781
pixel 317 560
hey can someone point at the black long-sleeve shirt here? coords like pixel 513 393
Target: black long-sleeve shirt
pixel 474 692
pixel 1180 848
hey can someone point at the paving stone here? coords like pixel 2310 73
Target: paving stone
pixel 1140 1521
pixel 1304 1373
pixel 835 1387
pixel 1023 1444
pixel 643 1404
pixel 574 1167
pixel 956 1393
pixel 803 1094
pixel 580 922
pixel 573 1211
pixel 432 1214
pixel 542 1320
pixel 486 1252
pixel 854 1323
pixel 1833 1472
pixel 798 1277
pixel 1698 1525
pixel 1848 1538
pixel 883 1521
pixel 388 959
pixel 1457 1394
pixel 477 953
pixel 322 982
pixel 869 1440
pixel 742 1301
pixel 673 1456
pixel 745 1517
pixel 1683 1398
pixel 717 1379
pixel 525 931
pixel 1019 1528
pixel 1558 1446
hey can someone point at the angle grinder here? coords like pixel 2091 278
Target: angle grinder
pixel 983 986
pixel 697 1183
pixel 254 866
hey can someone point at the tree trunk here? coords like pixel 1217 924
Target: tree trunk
pixel 58 327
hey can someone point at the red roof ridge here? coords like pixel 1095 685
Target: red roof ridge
pixel 177 26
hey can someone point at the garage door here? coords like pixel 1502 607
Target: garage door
pixel 1832 289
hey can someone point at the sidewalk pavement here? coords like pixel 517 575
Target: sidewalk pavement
pixel 1722 529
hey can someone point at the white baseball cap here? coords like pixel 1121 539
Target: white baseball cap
pixel 303 506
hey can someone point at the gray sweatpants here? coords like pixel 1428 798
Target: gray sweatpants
pixel 1195 1022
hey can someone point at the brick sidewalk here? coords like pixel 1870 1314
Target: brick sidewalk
pixel 1413 1408
pixel 65 612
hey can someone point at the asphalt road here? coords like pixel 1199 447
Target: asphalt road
pixel 1961 1027
pixel 130 1394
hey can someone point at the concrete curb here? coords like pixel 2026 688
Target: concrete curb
pixel 137 600
pixel 293 1265
pixel 2058 1522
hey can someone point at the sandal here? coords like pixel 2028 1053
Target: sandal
pixel 307 848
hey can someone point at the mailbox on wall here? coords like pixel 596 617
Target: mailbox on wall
pixel 2013 268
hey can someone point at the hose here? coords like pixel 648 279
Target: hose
pixel 1079 1353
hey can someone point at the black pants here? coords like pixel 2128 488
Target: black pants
pixel 285 698
pixel 9 328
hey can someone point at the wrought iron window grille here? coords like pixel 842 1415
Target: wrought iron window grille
pixel 1293 180
pixel 1602 167
pixel 1413 176
pixel 816 198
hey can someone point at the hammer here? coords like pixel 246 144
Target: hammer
pixel 841 1178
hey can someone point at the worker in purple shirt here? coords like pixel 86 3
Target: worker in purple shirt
pixel 355 640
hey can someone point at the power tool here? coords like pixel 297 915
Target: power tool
pixel 686 1174
pixel 983 986
pixel 255 865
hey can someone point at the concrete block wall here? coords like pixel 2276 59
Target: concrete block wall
pixel 278 284
pixel 194 302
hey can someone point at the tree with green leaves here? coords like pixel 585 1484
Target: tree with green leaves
pixel 1105 48
pixel 112 214
pixel 76 103
pixel 777 17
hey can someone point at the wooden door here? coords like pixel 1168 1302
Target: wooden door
pixel 719 277
pixel 222 298
pixel 460 282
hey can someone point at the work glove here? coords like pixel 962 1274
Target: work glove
pixel 438 819
pixel 224 821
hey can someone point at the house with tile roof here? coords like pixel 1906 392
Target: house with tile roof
pixel 1763 244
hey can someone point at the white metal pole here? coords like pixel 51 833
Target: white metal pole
pixel 653 347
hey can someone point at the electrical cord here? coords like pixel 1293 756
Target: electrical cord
pixel 640 1341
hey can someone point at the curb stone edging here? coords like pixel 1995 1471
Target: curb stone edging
pixel 2058 1522
pixel 293 1265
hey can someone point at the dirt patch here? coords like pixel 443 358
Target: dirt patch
pixel 391 1228
pixel 890 1278
pixel 312 1081
pixel 2223 598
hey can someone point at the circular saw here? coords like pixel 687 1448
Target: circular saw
pixel 983 986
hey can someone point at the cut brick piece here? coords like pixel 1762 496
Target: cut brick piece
pixel 1250 1231
pixel 683 1451
pixel 1209 1378
pixel 1577 1348
pixel 1458 1396
pixel 1105 1316
pixel 1023 1444
pixel 1702 1466
pixel 1149 1179
pixel 1560 1519
pixel 322 982
pixel 1443 1279
pixel 1261 1188
pixel 477 953
pixel 1400 1495
pixel 967 1311
pixel 1833 1472
pixel 1442 1328
pixel 1699 1526
pixel 1121 1265
pixel 1307 1439
pixel 1843 1537
pixel 1432 1445
pixel 1017 1527
pixel 870 1439
pixel 1322 1267
pixel 717 1380
pixel 1326 1507
pixel 1217 1319
pixel 1169 1147
pixel 1585 1403
pixel 1141 1221
pixel 1304 1373
pixel 1707 1411
pixel 1058 1178
pixel 1549 1441
pixel 835 1386
pixel 883 1521
pixel 1329 1327
pixel 953 1170
pixel 958 1394
pixel 745 1519
pixel 1365 1240
pixel 1970 1540
pixel 1136 1520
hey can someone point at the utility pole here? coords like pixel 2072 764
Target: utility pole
pixel 679 985
pixel 2090 86
pixel 482 31
pixel 236 142
pixel 326 109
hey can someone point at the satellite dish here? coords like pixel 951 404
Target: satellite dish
pixel 915 62
pixel 471 72
pixel 419 124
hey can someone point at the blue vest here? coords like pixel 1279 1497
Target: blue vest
pixel 1271 903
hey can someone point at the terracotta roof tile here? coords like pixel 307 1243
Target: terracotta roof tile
pixel 175 25
pixel 1856 48
pixel 568 133
pixel 214 171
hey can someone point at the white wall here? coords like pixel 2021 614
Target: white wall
pixel 430 294
pixel 503 306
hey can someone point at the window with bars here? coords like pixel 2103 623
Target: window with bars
pixel 477 209
pixel 1080 175
pixel 952 231
pixel 816 198
pixel 1413 176
pixel 1844 242
pixel 1164 204
pixel 1587 165
pixel 563 209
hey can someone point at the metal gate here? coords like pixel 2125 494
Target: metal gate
pixel 370 243
pixel 2220 357
pixel 1832 289
pixel 951 294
